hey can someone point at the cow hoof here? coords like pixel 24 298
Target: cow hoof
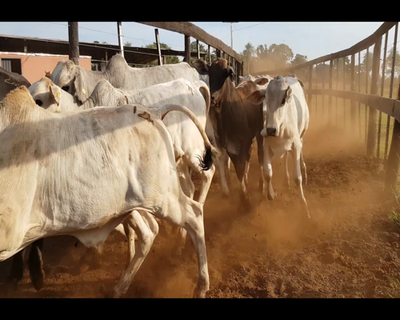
pixel 271 196
pixel 199 292
pixel 38 280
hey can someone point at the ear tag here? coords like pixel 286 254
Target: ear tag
pixel 58 95
pixel 84 91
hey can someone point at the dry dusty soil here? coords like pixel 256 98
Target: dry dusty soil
pixel 350 250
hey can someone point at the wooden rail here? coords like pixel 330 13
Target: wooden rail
pixel 388 106
pixel 362 45
pixel 189 29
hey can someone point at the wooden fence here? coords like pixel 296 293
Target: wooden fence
pixel 367 106
pixel 190 30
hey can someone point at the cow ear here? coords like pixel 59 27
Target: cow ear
pixel 261 81
pixel 301 82
pixel 230 73
pixel 56 93
pixel 256 97
pixel 79 83
pixel 288 95
pixel 201 66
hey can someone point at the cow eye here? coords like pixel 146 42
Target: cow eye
pixel 39 102
pixel 65 88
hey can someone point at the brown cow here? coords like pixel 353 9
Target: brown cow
pixel 236 120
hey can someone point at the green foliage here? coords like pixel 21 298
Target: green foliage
pixel 389 62
pixel 275 56
pixel 169 59
pixel 203 49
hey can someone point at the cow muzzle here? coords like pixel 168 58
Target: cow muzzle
pixel 271 132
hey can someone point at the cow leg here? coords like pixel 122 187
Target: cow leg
pixel 206 179
pixel 260 154
pixel 35 263
pixel 189 215
pixel 287 170
pixel 185 178
pixel 223 165
pixel 267 174
pixel 303 168
pixel 130 237
pixel 146 236
pixel 90 257
pixel 297 174
pixel 188 188
pixel 17 268
pixel 247 167
pixel 240 165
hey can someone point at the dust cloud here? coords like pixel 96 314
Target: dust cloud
pixel 349 249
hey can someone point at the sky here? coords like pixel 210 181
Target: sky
pixel 313 39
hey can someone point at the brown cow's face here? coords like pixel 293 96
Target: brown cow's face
pixel 217 72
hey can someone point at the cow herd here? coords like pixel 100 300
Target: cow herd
pixel 83 153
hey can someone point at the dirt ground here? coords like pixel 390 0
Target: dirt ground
pixel 351 250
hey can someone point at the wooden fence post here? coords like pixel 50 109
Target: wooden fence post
pixel 120 43
pixel 371 139
pixel 158 47
pixel 330 88
pixel 310 71
pixel 198 49
pixel 353 88
pixel 73 42
pixel 187 49
pixel 393 161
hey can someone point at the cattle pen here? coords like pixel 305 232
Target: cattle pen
pixel 350 249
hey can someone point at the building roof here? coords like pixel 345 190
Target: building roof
pixel 98 51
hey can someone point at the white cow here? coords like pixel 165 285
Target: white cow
pixel 188 142
pixel 189 145
pixel 81 82
pixel 286 122
pixel 82 173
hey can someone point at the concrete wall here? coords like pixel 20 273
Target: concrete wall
pixel 34 65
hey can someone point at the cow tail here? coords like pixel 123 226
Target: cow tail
pixel 210 152
pixel 207 97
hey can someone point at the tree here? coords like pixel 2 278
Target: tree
pixel 389 62
pixel 299 59
pixel 169 59
pixel 363 65
pixel 262 51
pixel 193 48
pixel 280 54
pixel 128 44
pixel 248 54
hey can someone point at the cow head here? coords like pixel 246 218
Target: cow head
pixel 276 98
pixel 217 72
pixel 46 94
pixel 64 75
